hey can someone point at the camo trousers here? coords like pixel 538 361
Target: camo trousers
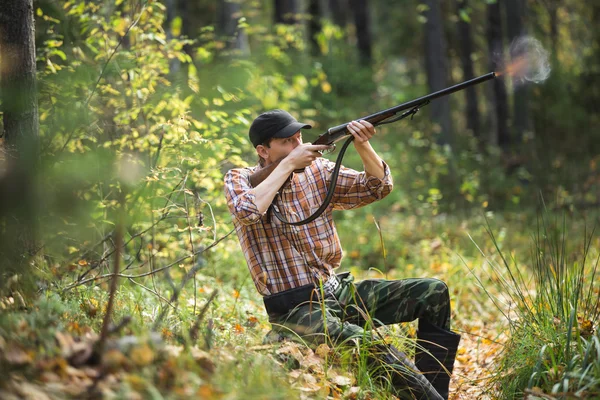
pixel 358 307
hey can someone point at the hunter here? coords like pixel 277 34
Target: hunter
pixel 293 267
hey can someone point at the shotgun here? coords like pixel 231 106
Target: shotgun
pixel 340 132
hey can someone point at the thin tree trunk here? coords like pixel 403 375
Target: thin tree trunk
pixel 174 63
pixel 186 24
pixel 338 10
pixel 515 27
pixel 229 14
pixel 466 50
pixel 552 8
pixel 363 34
pixel 436 66
pixel 286 11
pixel 499 114
pixel 314 25
pixel 20 121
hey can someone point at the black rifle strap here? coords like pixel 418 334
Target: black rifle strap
pixel 330 191
pixel 336 171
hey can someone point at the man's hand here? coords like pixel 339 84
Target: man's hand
pixel 362 131
pixel 303 155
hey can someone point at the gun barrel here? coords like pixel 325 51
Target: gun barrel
pixel 382 115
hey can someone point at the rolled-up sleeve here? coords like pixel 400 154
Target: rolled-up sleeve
pixel 241 203
pixel 356 189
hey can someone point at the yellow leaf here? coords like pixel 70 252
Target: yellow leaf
pixel 142 355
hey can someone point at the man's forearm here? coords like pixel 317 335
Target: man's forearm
pixel 265 192
pixel 373 164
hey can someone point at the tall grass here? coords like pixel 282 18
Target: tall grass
pixel 552 305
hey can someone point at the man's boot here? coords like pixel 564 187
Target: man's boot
pixel 435 354
pixel 404 376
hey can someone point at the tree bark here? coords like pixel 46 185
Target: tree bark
pixel 515 27
pixel 20 132
pixel 229 14
pixel 314 25
pixel 171 5
pixel 363 34
pixel 436 66
pixel 466 50
pixel 286 11
pixel 499 114
pixel 338 10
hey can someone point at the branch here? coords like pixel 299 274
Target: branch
pixel 104 69
pixel 105 276
pixel 196 326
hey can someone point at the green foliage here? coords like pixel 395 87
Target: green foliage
pixel 552 315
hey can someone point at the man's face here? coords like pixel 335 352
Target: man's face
pixel 279 148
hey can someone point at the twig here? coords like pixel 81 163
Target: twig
pixel 113 283
pixel 116 328
pixel 87 101
pixel 108 237
pixel 105 276
pixel 154 292
pixel 191 236
pixel 176 293
pixel 196 326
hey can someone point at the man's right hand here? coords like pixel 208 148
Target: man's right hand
pixel 304 154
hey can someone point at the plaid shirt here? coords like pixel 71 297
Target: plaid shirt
pixel 281 256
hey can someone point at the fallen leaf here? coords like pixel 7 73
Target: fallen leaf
pixel 16 356
pixel 142 355
pixel 323 350
pixel 203 359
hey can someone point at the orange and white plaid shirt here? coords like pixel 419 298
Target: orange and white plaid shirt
pixel 281 256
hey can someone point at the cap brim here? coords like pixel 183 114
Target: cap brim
pixel 291 129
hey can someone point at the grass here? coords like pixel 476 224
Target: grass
pixel 552 305
pixel 228 360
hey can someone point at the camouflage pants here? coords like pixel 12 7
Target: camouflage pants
pixel 357 307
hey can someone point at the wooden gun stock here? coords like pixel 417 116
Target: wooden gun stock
pixel 259 176
pixel 262 174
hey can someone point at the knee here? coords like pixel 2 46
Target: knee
pixel 439 287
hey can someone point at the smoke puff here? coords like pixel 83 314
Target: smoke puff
pixel 536 59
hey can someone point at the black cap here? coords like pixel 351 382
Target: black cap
pixel 274 124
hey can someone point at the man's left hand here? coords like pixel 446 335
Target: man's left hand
pixel 362 131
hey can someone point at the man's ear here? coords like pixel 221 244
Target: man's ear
pixel 262 151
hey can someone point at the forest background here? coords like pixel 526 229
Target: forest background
pixel 120 274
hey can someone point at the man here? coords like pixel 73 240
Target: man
pixel 293 266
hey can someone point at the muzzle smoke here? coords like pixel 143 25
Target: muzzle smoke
pixel 528 61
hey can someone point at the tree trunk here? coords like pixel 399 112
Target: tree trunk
pixel 20 120
pixel 286 11
pixel 363 34
pixel 552 7
pixel 174 64
pixel 436 66
pixel 466 50
pixel 229 14
pixel 499 114
pixel 515 27
pixel 338 10
pixel 314 25
pixel 186 24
